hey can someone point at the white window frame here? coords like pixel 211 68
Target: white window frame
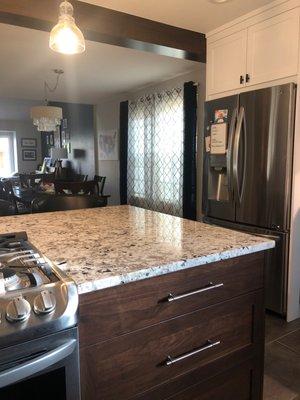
pixel 13 147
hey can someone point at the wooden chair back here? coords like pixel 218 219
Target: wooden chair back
pixel 100 182
pixel 84 188
pixel 79 178
pixel 7 193
pixel 65 203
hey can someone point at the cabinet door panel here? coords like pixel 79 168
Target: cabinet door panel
pixel 273 48
pixel 227 62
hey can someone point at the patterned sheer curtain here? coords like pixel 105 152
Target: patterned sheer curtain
pixel 155 152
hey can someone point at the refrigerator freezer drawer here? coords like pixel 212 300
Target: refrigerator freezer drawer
pixel 276 263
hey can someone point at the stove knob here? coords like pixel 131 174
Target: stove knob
pixel 44 303
pixel 18 310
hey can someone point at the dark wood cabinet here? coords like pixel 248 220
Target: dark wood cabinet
pixel 235 383
pixel 121 309
pixel 135 344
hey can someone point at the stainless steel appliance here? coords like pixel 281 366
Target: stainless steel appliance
pixel 38 325
pixel 248 187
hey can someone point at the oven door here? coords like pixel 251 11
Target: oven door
pixel 48 366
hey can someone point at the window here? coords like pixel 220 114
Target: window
pixel 7 153
pixel 155 152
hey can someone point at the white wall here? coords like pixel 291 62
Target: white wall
pixel 107 118
pixel 15 117
pixel 293 301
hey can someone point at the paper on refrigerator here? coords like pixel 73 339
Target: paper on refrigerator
pixel 218 138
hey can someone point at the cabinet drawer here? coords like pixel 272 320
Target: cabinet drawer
pixel 233 384
pixel 133 363
pixel 239 383
pixel 114 311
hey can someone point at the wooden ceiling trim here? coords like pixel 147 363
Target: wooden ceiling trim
pixel 109 26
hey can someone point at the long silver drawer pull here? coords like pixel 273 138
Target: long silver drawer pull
pixel 210 286
pixel 170 360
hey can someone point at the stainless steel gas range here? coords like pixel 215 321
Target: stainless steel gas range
pixel 38 325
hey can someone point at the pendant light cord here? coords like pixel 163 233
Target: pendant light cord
pixel 47 88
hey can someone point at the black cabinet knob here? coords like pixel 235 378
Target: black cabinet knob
pixel 247 78
pixel 242 79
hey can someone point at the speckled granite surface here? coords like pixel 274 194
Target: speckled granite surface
pixel 109 246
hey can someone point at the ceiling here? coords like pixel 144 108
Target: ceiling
pixel 102 71
pixel 196 15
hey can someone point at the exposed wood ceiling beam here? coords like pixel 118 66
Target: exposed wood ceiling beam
pixel 103 25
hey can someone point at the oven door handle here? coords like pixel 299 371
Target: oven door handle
pixel 38 364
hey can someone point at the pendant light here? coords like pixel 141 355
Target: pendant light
pixel 66 37
pixel 47 118
pixel 219 1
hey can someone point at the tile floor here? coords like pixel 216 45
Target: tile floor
pixel 282 359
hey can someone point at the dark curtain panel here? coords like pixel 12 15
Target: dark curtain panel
pixel 123 150
pixel 189 156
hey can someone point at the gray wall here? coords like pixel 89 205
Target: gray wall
pixel 15 117
pixel 107 118
pixel 81 128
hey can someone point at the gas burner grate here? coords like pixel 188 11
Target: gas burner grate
pixel 21 265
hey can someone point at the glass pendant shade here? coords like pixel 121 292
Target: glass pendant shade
pixel 46 118
pixel 66 37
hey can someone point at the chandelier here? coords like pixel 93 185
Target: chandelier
pixel 47 118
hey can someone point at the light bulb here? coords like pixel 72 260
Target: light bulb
pixel 66 37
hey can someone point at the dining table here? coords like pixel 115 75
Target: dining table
pixel 27 195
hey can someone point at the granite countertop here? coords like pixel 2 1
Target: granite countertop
pixel 109 246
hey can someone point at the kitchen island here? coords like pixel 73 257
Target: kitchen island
pixel 169 308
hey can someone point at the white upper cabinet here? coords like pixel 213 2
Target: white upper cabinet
pixel 264 50
pixel 272 51
pixel 226 63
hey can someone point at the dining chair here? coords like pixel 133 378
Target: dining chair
pixel 79 178
pixel 65 203
pixel 27 180
pixel 84 188
pixel 100 182
pixel 7 194
pixel 46 177
pixel 6 208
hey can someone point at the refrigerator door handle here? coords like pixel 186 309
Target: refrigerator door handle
pixel 240 129
pixel 229 151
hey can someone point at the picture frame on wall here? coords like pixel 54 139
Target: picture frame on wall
pixel 29 154
pixel 28 142
pixel 64 123
pixel 108 145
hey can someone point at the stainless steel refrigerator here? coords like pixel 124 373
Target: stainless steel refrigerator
pixel 248 158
